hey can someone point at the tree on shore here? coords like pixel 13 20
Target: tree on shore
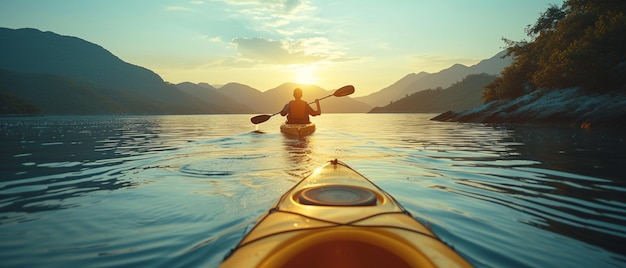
pixel 579 44
pixel 10 104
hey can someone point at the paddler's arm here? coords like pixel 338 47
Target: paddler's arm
pixel 285 110
pixel 319 109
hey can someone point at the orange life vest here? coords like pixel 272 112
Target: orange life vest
pixel 298 112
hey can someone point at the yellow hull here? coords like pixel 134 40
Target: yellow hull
pixel 297 130
pixel 335 217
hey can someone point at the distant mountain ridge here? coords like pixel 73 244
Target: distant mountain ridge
pixel 462 95
pixel 273 100
pixel 210 95
pixel 68 75
pixel 33 51
pixel 55 74
pixel 412 83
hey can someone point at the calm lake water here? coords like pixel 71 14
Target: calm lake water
pixel 179 191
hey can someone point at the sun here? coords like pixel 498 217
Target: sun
pixel 305 75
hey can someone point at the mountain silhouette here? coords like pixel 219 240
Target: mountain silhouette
pixel 60 92
pixel 56 74
pixel 310 92
pixel 67 75
pixel 462 95
pixel 33 51
pixel 412 83
pixel 273 100
pixel 213 98
pixel 244 95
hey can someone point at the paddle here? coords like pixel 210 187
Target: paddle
pixel 343 91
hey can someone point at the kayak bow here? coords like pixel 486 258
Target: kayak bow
pixel 336 217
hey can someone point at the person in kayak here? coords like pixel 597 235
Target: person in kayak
pixel 298 111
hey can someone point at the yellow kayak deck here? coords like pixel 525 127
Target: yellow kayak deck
pixel 336 217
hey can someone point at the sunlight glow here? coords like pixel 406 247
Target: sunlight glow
pixel 305 75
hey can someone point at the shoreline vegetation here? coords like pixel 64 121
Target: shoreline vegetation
pixel 572 72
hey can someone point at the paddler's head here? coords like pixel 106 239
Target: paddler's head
pixel 297 93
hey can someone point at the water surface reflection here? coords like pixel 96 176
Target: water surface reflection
pixel 182 190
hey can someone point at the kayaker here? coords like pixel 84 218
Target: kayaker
pixel 298 111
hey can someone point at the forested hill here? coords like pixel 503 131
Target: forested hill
pixel 461 95
pixel 572 71
pixel 580 44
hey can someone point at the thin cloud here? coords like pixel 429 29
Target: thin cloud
pixel 216 39
pixel 291 5
pixel 286 6
pixel 178 8
pixel 271 16
pixel 288 22
pixel 273 52
pixel 227 63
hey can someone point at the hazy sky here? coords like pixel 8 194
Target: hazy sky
pixel 264 43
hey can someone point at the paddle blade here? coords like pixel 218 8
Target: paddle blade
pixel 260 119
pixel 344 91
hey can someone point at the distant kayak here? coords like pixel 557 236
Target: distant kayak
pixel 297 130
pixel 336 217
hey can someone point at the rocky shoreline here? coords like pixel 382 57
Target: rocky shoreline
pixel 567 107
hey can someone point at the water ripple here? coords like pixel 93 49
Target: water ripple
pixel 182 190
